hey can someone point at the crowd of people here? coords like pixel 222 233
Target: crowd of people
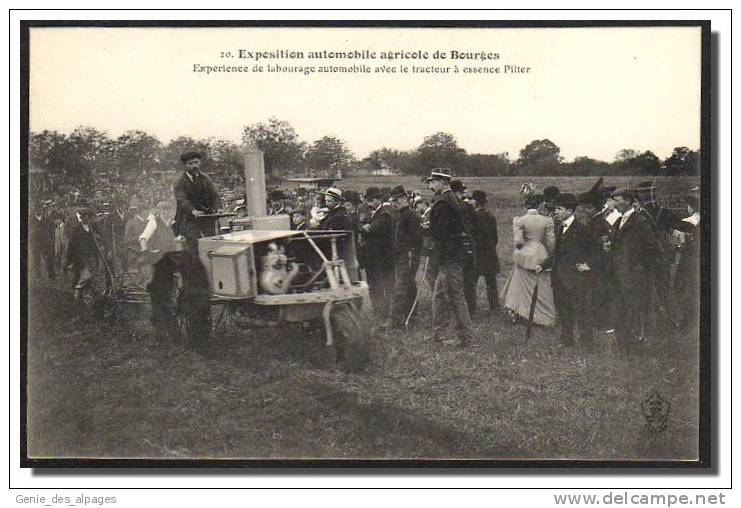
pixel 606 259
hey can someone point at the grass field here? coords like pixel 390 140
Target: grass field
pixel 101 390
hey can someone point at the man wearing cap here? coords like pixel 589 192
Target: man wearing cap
pixel 452 249
pixel 487 237
pixel 194 191
pixel 378 253
pixel 634 253
pixel 407 248
pixel 298 218
pixel 575 263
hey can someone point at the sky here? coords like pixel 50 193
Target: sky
pixel 592 91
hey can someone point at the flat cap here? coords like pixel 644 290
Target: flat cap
pixel 187 156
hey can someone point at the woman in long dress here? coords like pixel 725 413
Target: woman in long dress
pixel 534 242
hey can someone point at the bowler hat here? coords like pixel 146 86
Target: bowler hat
pixel 372 193
pixel 398 192
pixel 439 174
pixel 276 194
pixel 457 186
pixel 550 192
pixel 479 196
pixel 190 155
pixel 352 197
pixel 566 200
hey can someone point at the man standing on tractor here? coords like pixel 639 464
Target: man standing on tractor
pixel 194 192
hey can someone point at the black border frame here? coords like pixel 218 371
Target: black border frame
pixel 708 314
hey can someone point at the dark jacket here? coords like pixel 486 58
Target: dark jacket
pixel 379 240
pixel 486 237
pixel 449 235
pixel 197 194
pixel 408 233
pixel 336 219
pixel 635 254
pixel 81 245
pixel 579 244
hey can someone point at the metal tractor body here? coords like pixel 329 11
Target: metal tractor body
pixel 263 274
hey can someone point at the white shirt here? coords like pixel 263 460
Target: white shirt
pixel 86 227
pixel 626 216
pixel 612 217
pixel 693 219
pixel 566 224
pixel 149 229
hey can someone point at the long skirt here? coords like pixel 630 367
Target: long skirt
pixel 517 295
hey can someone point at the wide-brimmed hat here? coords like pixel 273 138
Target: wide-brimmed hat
pixel 334 192
pixel 191 155
pixel 439 174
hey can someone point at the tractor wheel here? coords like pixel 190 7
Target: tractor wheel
pixel 181 300
pixel 351 336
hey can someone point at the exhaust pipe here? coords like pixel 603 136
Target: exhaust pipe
pixel 254 177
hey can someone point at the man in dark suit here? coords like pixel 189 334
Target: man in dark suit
pixel 487 237
pixel 407 248
pixel 82 253
pixel 471 268
pixel 378 253
pixel 575 263
pixel 194 191
pixel 452 249
pixel 635 253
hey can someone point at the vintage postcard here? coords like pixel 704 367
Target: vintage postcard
pixel 288 243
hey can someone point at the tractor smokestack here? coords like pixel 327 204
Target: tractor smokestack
pixel 254 177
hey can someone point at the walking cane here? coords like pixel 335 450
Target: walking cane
pixel 419 290
pixel 531 315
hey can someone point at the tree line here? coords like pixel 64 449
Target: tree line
pixel 88 153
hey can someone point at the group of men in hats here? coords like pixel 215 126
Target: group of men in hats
pixel 610 265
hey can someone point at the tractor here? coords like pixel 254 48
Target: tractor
pixel 263 274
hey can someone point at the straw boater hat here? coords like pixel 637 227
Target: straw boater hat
pixel 439 174
pixel 334 192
